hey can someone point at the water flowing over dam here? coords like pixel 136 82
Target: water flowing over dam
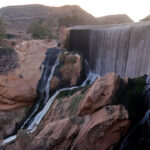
pixel 123 49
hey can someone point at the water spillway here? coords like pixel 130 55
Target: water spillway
pixel 123 49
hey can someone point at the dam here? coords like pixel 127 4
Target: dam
pixel 123 49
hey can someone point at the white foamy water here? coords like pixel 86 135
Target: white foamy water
pixel 47 89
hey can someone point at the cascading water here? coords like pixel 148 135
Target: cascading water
pixel 45 99
pixel 50 64
pixel 139 137
pixel 122 49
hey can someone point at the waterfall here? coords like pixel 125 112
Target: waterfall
pixel 51 62
pixel 123 49
pixel 35 120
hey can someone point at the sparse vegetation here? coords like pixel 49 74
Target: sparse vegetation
pixel 10 36
pixel 8 59
pixel 69 21
pixel 71 60
pixel 68 70
pixel 39 30
pixel 76 101
pixel 74 104
pixel 2 30
pixel 67 93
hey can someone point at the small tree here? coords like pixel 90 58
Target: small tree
pixel 2 30
pixel 39 30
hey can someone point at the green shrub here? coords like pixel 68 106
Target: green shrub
pixel 8 59
pixel 2 30
pixel 10 36
pixel 39 30
pixel 69 21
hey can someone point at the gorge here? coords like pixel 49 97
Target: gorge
pixel 81 104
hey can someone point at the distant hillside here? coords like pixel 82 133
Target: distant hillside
pixel 146 18
pixel 114 19
pixel 18 18
pixel 22 16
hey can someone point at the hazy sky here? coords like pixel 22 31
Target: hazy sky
pixel 136 9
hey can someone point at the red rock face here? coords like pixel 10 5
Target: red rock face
pixel 9 120
pixel 103 130
pixel 63 129
pixel 100 94
pixel 18 87
pixel 71 69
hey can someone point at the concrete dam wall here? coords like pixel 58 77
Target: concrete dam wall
pixel 123 49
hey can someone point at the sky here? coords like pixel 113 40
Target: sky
pixel 135 9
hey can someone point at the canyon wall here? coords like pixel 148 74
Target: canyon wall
pixel 123 49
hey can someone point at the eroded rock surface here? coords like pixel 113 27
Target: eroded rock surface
pixel 9 120
pixel 103 130
pixel 100 94
pixel 62 127
pixel 18 87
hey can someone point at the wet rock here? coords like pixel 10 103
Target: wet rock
pixel 9 120
pixel 71 69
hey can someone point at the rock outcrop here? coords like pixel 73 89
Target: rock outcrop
pixel 103 130
pixel 10 119
pixel 18 87
pixel 114 19
pixel 68 72
pixel 100 94
pixel 62 127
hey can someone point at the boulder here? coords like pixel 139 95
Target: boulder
pixel 100 94
pixel 104 129
pixel 55 135
pixel 100 131
pixel 18 86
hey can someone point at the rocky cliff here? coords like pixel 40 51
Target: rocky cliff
pixel 18 86
pixel 74 112
pixel 80 120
